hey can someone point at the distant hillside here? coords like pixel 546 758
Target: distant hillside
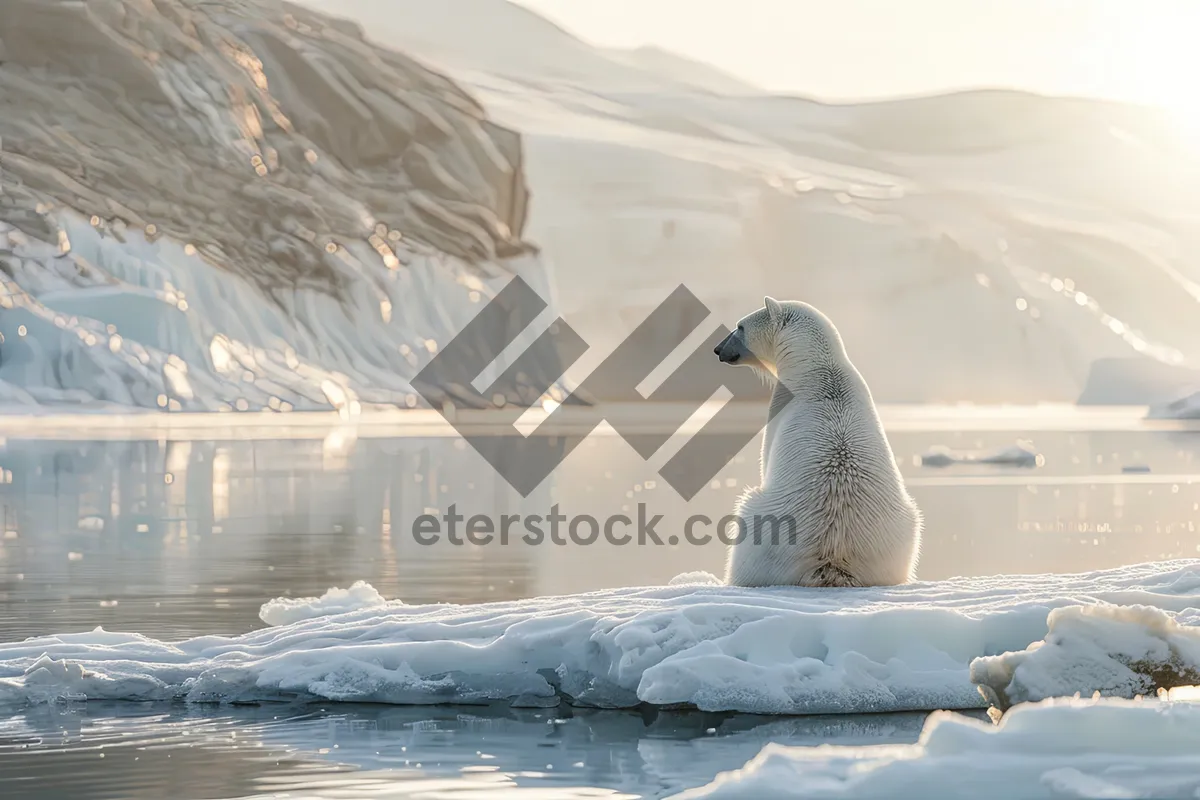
pixel 987 246
pixel 509 40
pixel 685 71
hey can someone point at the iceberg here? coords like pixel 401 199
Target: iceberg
pixel 1057 748
pixel 694 643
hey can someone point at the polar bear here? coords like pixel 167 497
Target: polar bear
pixel 832 509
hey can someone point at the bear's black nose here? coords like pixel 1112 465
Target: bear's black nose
pixel 717 350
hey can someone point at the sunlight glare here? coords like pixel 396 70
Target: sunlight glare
pixel 1167 65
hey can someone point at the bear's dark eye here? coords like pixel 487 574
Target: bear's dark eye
pixel 741 329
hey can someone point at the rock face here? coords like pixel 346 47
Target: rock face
pixel 240 205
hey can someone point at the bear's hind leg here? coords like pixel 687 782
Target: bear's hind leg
pixel 827 575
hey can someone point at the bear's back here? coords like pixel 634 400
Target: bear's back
pixel 829 452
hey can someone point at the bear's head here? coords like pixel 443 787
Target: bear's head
pixel 791 332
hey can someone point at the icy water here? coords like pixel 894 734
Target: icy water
pixel 187 533
pixel 105 750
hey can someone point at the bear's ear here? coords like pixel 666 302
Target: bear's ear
pixel 774 310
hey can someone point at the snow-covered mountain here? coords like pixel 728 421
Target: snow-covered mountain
pixel 238 205
pixel 248 205
pixel 990 246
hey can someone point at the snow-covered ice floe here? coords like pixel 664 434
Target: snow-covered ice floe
pixel 1057 748
pixel 719 648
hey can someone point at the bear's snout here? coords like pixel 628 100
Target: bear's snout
pixel 726 352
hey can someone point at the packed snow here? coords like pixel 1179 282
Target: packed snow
pixel 1122 651
pixel 719 648
pixel 1057 748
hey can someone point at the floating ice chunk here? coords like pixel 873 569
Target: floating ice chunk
pixel 720 648
pixel 286 610
pixel 1057 748
pixel 1021 454
pixel 1120 651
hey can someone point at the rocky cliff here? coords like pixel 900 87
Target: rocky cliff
pixel 238 205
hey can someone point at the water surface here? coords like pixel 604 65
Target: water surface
pixel 132 750
pixel 177 535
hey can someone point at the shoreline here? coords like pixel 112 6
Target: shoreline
pixel 652 418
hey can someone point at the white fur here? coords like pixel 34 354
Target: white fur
pixel 826 464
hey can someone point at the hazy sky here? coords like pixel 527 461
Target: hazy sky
pixel 1141 50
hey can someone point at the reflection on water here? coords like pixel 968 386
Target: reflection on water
pixel 176 538
pixel 133 751
pixel 173 538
